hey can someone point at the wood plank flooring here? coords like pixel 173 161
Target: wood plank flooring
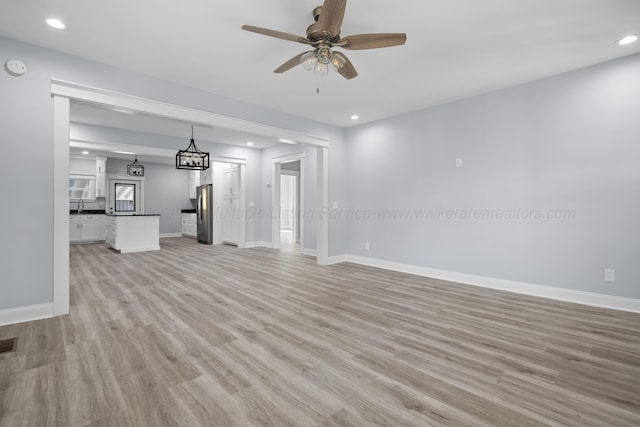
pixel 195 335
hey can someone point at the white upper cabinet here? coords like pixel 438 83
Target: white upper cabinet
pixel 206 176
pixel 194 181
pixel 101 165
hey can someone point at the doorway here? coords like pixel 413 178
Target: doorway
pixel 64 93
pixel 290 204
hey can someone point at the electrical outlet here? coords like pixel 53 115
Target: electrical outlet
pixel 609 276
pixel 367 246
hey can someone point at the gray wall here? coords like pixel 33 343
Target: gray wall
pixel 567 146
pixel 26 122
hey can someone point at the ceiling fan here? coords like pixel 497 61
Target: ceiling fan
pixel 324 35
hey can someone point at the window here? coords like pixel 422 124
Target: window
pixel 125 197
pixel 82 187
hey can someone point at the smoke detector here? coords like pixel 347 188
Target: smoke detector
pixel 15 67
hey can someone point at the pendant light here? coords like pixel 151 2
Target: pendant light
pixel 192 158
pixel 135 168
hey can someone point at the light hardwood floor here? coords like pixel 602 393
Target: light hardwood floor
pixel 195 335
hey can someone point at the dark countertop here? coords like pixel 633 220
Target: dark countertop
pixel 87 212
pixel 188 211
pixel 128 215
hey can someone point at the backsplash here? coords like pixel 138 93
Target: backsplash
pixel 98 204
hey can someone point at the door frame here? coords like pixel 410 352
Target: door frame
pixel 63 92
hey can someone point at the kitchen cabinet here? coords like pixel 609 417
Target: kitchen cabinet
pixel 86 228
pixel 194 181
pixel 101 165
pixel 102 227
pixel 189 225
pixel 231 205
pixel 133 233
pixel 206 176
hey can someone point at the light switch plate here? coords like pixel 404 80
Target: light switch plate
pixel 459 162
pixel 609 275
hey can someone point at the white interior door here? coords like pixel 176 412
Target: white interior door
pixel 125 195
pixel 231 205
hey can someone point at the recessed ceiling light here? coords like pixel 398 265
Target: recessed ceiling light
pixel 85 152
pixel 250 144
pixel 56 23
pixel 286 141
pixel 627 40
pixel 355 117
pixel 123 152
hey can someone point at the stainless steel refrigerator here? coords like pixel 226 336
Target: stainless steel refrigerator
pixel 204 213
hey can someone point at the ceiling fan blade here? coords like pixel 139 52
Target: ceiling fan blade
pixel 276 34
pixel 289 64
pixel 331 16
pixel 372 41
pixel 344 66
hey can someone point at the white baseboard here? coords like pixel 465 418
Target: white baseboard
pixel 337 259
pixel 26 314
pixel 139 249
pixel 167 235
pixel 309 252
pixel 561 294
pixel 249 245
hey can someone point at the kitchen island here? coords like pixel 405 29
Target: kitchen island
pixel 133 233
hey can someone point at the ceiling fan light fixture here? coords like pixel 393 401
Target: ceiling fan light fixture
pixel 321 69
pixel 324 54
pixel 324 35
pixel 309 60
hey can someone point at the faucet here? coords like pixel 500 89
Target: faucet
pixel 80 206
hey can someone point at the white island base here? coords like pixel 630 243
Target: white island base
pixel 133 233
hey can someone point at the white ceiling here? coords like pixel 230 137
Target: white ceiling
pixel 455 48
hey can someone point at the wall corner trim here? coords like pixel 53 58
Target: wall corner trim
pixel 26 314
pixel 550 292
